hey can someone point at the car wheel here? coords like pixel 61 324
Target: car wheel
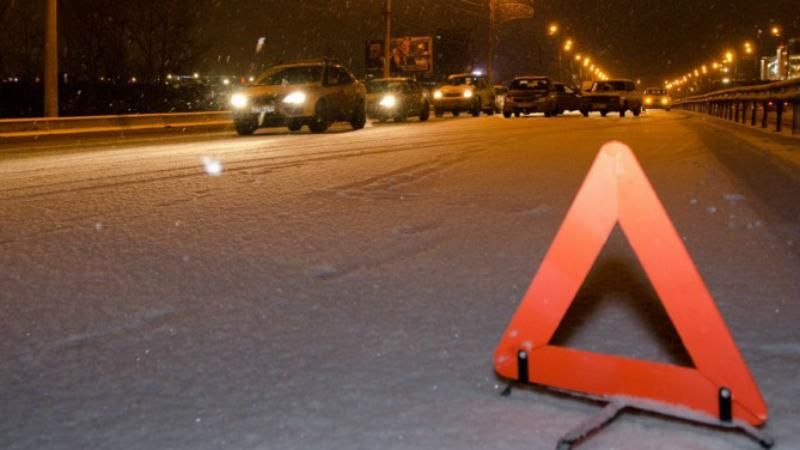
pixel 295 125
pixel 321 121
pixel 359 118
pixel 438 112
pixel 637 112
pixel 622 112
pixel 476 108
pixel 245 127
pixel 603 113
pixel 585 113
pixel 517 113
pixel 456 113
pixel 507 114
pixel 425 112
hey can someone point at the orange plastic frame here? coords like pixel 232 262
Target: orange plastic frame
pixel 617 191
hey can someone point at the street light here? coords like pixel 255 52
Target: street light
pixel 387 38
pixel 729 57
pixel 552 30
pixel 748 48
pixel 776 30
pixel 568 45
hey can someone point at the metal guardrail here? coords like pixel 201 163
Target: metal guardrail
pixel 743 103
pixel 88 124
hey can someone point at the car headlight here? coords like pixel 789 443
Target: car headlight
pixel 437 95
pixel 239 101
pixel 665 101
pixel 648 101
pixel 295 98
pixel 388 101
pixel 468 94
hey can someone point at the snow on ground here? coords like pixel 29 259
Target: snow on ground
pixel 346 291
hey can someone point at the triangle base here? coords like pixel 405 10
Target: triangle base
pixel 615 407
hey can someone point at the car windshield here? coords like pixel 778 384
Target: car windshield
pixel 530 84
pixel 291 76
pixel 608 86
pixel 458 81
pixel 377 86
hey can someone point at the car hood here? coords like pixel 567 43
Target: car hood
pixel 448 89
pixel 610 94
pixel 527 93
pixel 275 91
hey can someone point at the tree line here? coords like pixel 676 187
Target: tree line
pixel 112 40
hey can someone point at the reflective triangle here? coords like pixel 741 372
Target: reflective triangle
pixel 617 191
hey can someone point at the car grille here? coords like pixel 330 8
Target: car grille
pixel 453 95
pixel 526 98
pixel 266 100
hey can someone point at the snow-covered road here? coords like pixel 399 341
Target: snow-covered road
pixel 347 290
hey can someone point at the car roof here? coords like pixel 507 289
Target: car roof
pixel 392 79
pixel 532 77
pixel 465 75
pixel 310 63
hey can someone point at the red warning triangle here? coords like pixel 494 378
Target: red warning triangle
pixel 617 191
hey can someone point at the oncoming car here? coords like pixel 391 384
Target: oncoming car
pixel 313 94
pixel 530 94
pixel 612 96
pixel 398 99
pixel 657 98
pixel 464 92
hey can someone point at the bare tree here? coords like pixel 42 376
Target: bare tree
pixel 166 37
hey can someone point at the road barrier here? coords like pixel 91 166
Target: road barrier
pixel 743 104
pixel 99 124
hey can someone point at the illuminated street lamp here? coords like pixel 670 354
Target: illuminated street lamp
pixel 748 48
pixel 776 30
pixel 552 30
pixel 729 57
pixel 568 45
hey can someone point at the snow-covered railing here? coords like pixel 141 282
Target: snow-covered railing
pixel 743 103
pixel 99 124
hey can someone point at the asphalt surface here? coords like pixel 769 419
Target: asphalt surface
pixel 347 290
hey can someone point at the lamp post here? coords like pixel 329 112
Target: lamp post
pixel 387 40
pixel 490 55
pixel 51 60
pixel 552 31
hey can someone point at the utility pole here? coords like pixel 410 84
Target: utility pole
pixel 490 56
pixel 387 41
pixel 51 60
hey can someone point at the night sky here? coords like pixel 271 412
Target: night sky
pixel 647 39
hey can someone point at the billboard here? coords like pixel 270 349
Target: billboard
pixel 409 56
